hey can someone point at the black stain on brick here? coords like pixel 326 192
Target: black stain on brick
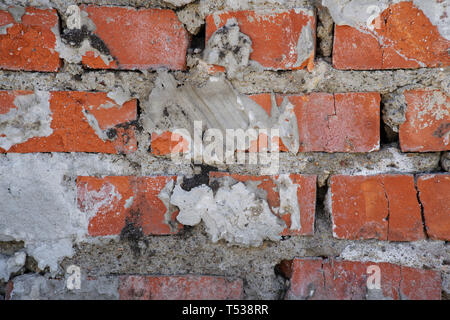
pixel 132 232
pixel 76 36
pixel 442 130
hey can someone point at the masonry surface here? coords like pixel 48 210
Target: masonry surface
pixel 93 95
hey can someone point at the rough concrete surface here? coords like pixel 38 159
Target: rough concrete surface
pixel 43 232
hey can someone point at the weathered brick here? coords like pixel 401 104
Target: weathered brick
pixel 29 44
pixel 306 195
pixel 127 204
pixel 434 194
pixel 403 37
pixel 80 122
pixel 383 207
pixel 276 36
pixel 419 284
pixel 189 287
pixel 318 279
pixel 427 125
pixel 138 38
pixel 341 122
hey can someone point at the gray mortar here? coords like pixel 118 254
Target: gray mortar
pixel 191 251
pixel 445 161
pixel 324 32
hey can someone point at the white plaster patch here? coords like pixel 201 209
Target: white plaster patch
pixel 289 200
pixel 234 213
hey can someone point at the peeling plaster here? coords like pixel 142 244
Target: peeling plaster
pixel 233 212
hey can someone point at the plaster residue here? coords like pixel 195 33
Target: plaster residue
pixel 12 264
pixel 38 287
pixel 164 196
pixel 119 95
pixel 356 13
pixel 173 105
pixel 230 48
pixel 420 44
pixel 289 200
pixel 235 212
pixel 305 45
pixel 93 122
pixel 105 198
pixel 38 197
pixel 31 118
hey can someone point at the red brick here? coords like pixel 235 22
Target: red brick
pixel 306 194
pixel 274 35
pixel 427 125
pixel 30 44
pixel 122 203
pixel 189 287
pixel 138 39
pixel 434 194
pixel 383 207
pixel 317 279
pixel 403 38
pixel 71 130
pixel 341 122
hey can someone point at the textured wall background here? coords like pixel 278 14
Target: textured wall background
pixel 89 98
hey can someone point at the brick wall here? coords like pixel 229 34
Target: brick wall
pixel 96 176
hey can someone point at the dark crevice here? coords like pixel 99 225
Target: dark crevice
pixel 388 210
pixel 421 208
pixel 198 179
pixel 198 41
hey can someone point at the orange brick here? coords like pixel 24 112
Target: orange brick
pixel 189 287
pixel 306 194
pixel 274 35
pixel 30 44
pixel 138 39
pixel 115 203
pixel 318 279
pixel 71 129
pixel 383 207
pixel 434 194
pixel 404 38
pixel 427 125
pixel 341 122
